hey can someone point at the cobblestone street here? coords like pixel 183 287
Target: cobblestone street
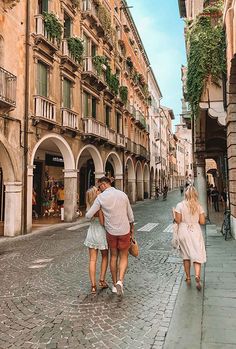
pixel 45 300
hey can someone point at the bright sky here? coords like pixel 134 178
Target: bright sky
pixel 161 30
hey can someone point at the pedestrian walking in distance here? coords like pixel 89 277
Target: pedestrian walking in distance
pixel 189 214
pixel 95 241
pixel 119 226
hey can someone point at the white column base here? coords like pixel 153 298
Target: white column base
pixel 13 201
pixel 233 226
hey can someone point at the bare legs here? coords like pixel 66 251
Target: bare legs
pixel 197 269
pixel 187 269
pixel 93 254
pixel 123 264
pixel 104 264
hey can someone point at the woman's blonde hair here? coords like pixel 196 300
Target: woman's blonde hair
pixel 91 195
pixel 191 197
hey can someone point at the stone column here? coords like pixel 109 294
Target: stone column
pixel 98 175
pixel 13 205
pixel 131 190
pixel 29 198
pixel 139 190
pixel 70 203
pixel 201 182
pixel 119 181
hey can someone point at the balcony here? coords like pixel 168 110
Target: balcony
pixel 111 136
pixel 41 35
pixel 70 119
pixel 67 57
pixel 90 12
pixel 95 129
pixel 157 159
pixel 44 110
pixel 7 89
pixel 91 75
pixel 130 146
pixel 120 141
pixel 140 119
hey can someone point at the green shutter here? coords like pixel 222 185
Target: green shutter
pixel 86 105
pixel 94 108
pixel 42 77
pixel 67 93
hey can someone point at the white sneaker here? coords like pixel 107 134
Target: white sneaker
pixel 114 290
pixel 120 288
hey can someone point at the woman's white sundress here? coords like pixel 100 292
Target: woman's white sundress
pixel 96 235
pixel 190 234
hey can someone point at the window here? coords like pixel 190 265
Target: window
pixel 118 123
pixel 42 6
pixel 86 105
pixel 67 87
pixel 42 79
pixel 93 50
pixel 107 115
pixel 67 26
pixel 94 107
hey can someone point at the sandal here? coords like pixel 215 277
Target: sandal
pixel 103 284
pixel 93 289
pixel 198 284
pixel 188 279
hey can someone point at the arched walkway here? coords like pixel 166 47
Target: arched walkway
pixel 146 181
pixel 113 168
pixel 130 182
pixel 10 191
pixel 52 164
pixel 139 181
pixel 90 166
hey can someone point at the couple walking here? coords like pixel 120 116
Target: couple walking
pixel 112 226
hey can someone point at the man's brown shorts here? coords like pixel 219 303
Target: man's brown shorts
pixel 121 242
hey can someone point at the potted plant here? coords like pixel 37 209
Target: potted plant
pixel 53 26
pixel 76 48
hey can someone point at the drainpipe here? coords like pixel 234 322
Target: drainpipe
pixel 26 114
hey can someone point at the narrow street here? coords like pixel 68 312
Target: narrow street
pixel 45 300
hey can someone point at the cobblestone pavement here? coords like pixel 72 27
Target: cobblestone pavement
pixel 44 289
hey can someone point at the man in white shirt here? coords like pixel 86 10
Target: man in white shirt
pixel 119 224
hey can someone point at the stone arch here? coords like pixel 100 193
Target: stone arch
pixel 139 181
pixel 97 159
pixel 62 145
pixel 114 160
pixel 146 181
pixel 70 176
pixel 11 166
pixel 130 179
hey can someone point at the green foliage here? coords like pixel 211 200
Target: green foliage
pixel 76 48
pixel 111 79
pixel 98 62
pixel 52 26
pixel 105 19
pixel 123 94
pixel 206 55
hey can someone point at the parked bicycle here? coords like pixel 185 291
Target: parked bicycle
pixel 226 228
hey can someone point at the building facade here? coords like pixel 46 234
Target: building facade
pixel 77 99
pixel 155 129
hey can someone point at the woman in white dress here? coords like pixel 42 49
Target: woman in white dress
pixel 95 241
pixel 189 215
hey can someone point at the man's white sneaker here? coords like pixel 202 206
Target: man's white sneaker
pixel 119 287
pixel 114 290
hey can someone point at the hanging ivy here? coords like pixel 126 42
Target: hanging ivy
pixel 76 48
pixel 53 26
pixel 206 53
pixel 98 62
pixel 123 94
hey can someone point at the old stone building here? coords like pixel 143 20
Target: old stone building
pixel 74 106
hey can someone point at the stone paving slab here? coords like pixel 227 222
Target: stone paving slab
pixel 44 293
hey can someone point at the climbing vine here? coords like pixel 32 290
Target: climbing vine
pixel 53 26
pixel 123 90
pixel 101 63
pixel 76 48
pixel 206 53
